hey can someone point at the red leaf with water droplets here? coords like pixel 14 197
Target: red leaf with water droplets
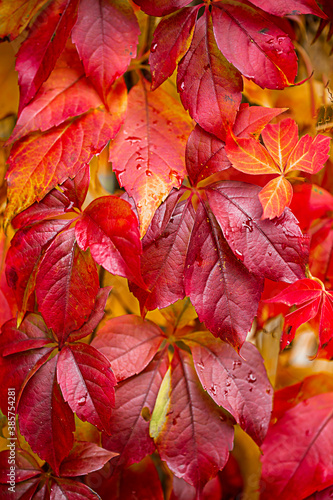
pixel 209 86
pixel 275 249
pixel 237 383
pixel 314 300
pixel 109 228
pixel 39 52
pixel 297 451
pixel 107 45
pixel 148 153
pixel 87 383
pixel 194 439
pixel 66 285
pixel 130 417
pixel 268 58
pixel 45 420
pixel 129 343
pixel 220 287
pixel 171 40
pixel 84 458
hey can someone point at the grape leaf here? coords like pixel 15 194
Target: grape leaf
pixel 130 417
pixel 47 39
pixel 148 153
pixel 294 467
pixel 130 343
pixel 109 227
pixel 16 15
pixel 161 7
pixel 66 286
pixel 283 153
pixel 107 45
pixel 239 385
pixel 293 7
pixel 194 440
pixel 210 87
pixel 314 300
pixel 45 420
pixel 87 382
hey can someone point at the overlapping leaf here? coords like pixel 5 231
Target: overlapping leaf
pixel 282 154
pixel 297 451
pixel 47 39
pixel 239 385
pixel 191 434
pixel 16 15
pixel 314 300
pixel 218 256
pixel 107 45
pixel 148 153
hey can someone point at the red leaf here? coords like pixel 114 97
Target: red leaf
pixel 255 45
pixel 161 7
pixel 275 197
pixel 84 458
pixel 109 227
pixel 129 343
pixel 47 39
pixel 310 202
pixel 276 249
pixel 251 120
pixel 95 317
pixel 107 45
pixel 26 467
pixel 293 7
pixel 314 300
pixel 239 385
pixel 45 420
pixel 66 286
pixel 171 40
pixel 135 400
pixel 321 253
pixel 31 334
pixel 210 88
pixel 87 382
pixel 41 161
pixel 148 153
pixel 65 94
pixel 297 451
pixel 66 489
pixel 219 285
pixel 194 440
pixel 205 155
pixel 23 258
pixel 165 279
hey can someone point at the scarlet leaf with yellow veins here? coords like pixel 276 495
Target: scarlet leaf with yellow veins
pixel 148 152
pixel 281 154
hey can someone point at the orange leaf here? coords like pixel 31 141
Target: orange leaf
pixel 275 197
pixel 280 139
pixel 41 161
pixel 16 14
pixel 249 156
pixel 310 154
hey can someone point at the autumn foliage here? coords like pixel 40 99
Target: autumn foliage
pixel 166 272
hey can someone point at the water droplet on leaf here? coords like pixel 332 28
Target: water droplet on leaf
pixel 239 255
pixel 153 47
pixel 251 378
